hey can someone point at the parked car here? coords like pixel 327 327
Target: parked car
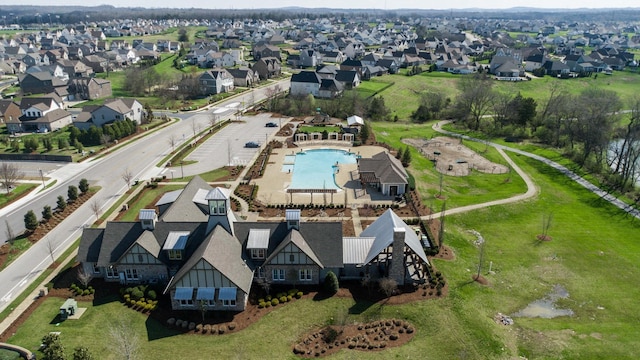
pixel 252 144
pixel 271 124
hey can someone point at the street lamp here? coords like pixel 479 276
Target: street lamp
pixel 42 177
pixel 181 169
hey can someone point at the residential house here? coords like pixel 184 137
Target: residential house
pixel 348 78
pixel 75 68
pixel 244 77
pixel 333 56
pixel 266 50
pixel 89 88
pixel 9 110
pixel 267 67
pixel 309 58
pixel 98 64
pixel 41 114
pixel 40 83
pixel 216 81
pixel 330 89
pixel 204 256
pixel 351 64
pixel 385 173
pixel 305 83
pixel 556 68
pixel 111 111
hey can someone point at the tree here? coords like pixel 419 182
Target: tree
pixel 51 248
pixel 546 225
pixel 82 353
pixel 72 193
pixel 265 284
pixel 53 349
pixel 388 286
pixel 624 161
pixel 377 109
pixel 61 203
pixel 421 114
pixel 399 154
pixel 96 208
pixel 183 36
pixel 30 220
pixel 406 157
pixel 331 285
pixel 202 307
pixel 364 133
pixel 480 258
pixel 47 214
pixel 9 175
pixel 11 236
pixel 441 229
pixel 124 340
pixel 475 98
pixel 83 186
pixel 127 176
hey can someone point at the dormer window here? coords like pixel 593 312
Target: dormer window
pixel 258 243
pixel 217 207
pixel 175 244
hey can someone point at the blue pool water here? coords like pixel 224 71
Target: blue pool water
pixel 314 169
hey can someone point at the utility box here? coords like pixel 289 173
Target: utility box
pixel 69 308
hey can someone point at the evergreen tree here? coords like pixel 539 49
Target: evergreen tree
pixel 406 157
pixel 30 220
pixel 399 154
pixel 53 349
pixel 72 193
pixel 47 213
pixel 61 203
pixel 364 133
pixel 331 284
pixel 82 353
pixel 83 185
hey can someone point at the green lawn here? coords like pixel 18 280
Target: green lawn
pixel 20 190
pixel 458 191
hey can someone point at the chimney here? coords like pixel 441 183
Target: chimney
pixel 397 270
pixel 148 219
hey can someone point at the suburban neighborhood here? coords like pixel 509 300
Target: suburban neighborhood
pixel 318 183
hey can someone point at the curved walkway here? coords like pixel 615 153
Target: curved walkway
pixel 577 178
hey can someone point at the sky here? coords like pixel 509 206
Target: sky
pixel 353 4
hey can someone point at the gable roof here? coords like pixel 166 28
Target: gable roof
pixel 382 231
pixel 222 251
pixel 306 77
pixel 184 208
pixel 298 240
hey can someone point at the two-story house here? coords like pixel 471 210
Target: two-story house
pixel 111 111
pixel 215 81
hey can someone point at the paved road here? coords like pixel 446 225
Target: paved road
pixel 139 157
pixel 577 178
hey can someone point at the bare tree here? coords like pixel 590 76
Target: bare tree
pixel 388 286
pixel 127 176
pixel 96 208
pixel 83 277
pixel 195 127
pixel 51 247
pixel 124 340
pixel 265 284
pixel 480 259
pixel 9 175
pixel 213 120
pixel 475 99
pixel 173 141
pixel 547 219
pixel 441 230
pixel 11 236
pixel 105 139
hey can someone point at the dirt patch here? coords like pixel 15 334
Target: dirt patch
pixel 451 157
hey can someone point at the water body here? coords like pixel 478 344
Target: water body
pixel 546 308
pixel 615 146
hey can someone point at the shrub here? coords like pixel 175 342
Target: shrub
pixel 86 292
pixel 268 297
pixel 331 284
pixel 275 302
pixel 261 305
pixel 137 294
pixel 299 294
pixel 289 297
pixel 283 299
pixel 151 294
pixel 267 304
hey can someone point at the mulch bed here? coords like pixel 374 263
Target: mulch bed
pixel 45 226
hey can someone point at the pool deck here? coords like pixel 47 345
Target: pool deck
pixel 274 182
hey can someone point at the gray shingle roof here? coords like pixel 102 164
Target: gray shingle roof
pixel 184 208
pixel 386 168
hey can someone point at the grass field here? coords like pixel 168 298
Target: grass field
pixel 403 97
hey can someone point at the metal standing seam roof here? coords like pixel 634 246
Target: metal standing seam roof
pixel 176 240
pixel 183 293
pixel 205 293
pixel 292 214
pixel 147 214
pixel 355 249
pixel 227 293
pixel 382 231
pixel 168 197
pixel 201 197
pixel 258 239
pixel 218 193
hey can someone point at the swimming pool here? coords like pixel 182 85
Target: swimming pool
pixel 315 169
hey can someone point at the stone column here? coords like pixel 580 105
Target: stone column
pixel 397 269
